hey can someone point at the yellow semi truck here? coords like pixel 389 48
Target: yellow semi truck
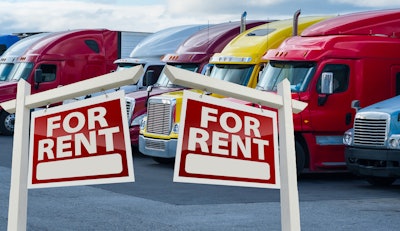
pixel 239 62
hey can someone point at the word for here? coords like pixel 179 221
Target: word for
pixel 83 133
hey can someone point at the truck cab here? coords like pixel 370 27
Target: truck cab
pixel 372 145
pixel 193 54
pixel 239 62
pixel 150 51
pixel 59 59
pixel 335 64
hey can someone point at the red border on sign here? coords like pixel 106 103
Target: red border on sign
pixel 191 114
pixel 107 142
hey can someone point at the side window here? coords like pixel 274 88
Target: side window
pixel 48 72
pixel 93 45
pixel 341 74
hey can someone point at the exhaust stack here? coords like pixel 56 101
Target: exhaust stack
pixel 243 22
pixel 296 22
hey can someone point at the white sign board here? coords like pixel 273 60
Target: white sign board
pixel 226 143
pixel 81 143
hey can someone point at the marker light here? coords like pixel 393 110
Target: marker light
pixel 394 141
pixel 348 137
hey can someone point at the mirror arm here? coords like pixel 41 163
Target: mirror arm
pixel 322 99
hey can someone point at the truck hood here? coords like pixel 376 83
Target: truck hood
pixel 295 96
pixel 389 106
pixel 8 90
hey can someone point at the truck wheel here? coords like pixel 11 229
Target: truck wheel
pixel 300 158
pixel 380 181
pixel 161 160
pixel 7 123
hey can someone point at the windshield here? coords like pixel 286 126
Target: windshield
pixel 234 73
pixel 21 70
pixel 163 80
pixel 187 66
pixel 123 66
pixel 298 74
pixel 5 69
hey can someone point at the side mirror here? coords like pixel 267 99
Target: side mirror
pixel 326 87
pixel 327 83
pixel 208 70
pixel 38 77
pixel 149 78
pixel 149 89
pixel 355 104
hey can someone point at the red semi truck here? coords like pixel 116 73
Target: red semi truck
pixel 193 54
pixel 63 58
pixel 336 66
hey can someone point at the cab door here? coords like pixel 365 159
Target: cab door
pixel 50 77
pixel 330 115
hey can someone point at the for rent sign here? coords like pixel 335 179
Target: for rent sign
pixel 86 142
pixel 221 142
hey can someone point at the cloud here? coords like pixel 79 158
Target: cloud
pixel 217 9
pixel 62 15
pixel 153 15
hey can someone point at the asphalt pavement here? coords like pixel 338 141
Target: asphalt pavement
pixel 92 208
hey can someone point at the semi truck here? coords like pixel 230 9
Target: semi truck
pixel 239 62
pixel 63 58
pixel 335 66
pixel 193 54
pixel 7 41
pixel 150 51
pixel 10 56
pixel 372 145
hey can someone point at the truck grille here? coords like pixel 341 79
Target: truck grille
pixel 370 129
pixel 159 116
pixel 130 104
pixel 155 144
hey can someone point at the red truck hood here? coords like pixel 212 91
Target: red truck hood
pixel 8 90
pixel 239 101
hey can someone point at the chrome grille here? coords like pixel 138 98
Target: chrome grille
pixel 370 129
pixel 159 116
pixel 130 105
pixel 155 144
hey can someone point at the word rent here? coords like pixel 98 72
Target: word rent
pixel 82 133
pixel 230 123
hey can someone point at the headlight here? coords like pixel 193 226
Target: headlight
pixel 348 137
pixel 137 120
pixel 175 129
pixel 143 122
pixel 394 141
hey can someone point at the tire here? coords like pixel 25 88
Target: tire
pixel 161 160
pixel 380 181
pixel 300 158
pixel 7 123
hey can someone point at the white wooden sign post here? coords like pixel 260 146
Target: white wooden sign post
pixel 17 213
pixel 290 212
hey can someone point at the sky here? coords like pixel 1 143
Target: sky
pixel 18 16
